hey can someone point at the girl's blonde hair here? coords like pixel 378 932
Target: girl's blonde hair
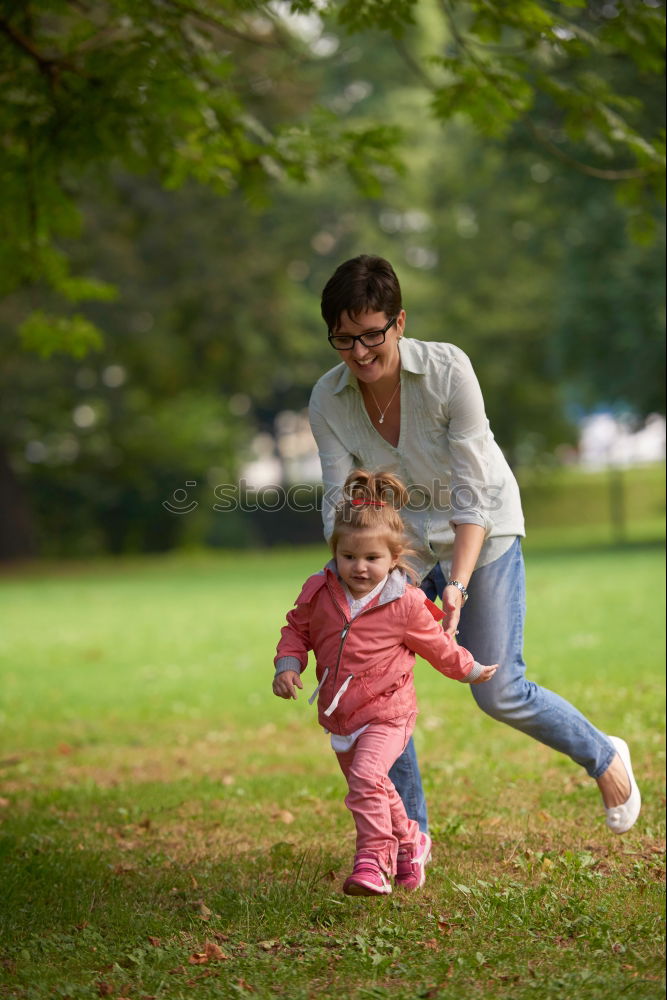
pixel 371 502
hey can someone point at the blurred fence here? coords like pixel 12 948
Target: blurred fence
pixel 613 505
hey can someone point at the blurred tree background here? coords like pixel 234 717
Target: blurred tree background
pixel 179 180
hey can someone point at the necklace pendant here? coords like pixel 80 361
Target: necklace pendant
pixel 381 420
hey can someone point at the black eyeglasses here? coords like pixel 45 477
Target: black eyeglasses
pixel 372 338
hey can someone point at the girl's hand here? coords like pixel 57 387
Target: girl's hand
pixel 284 684
pixel 486 674
pixel 452 602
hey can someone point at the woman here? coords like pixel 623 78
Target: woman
pixel 416 409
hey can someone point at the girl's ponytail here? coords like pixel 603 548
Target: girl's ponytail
pixel 371 502
pixel 376 489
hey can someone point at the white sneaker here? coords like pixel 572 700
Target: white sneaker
pixel 621 818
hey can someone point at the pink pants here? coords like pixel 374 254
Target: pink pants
pixel 379 814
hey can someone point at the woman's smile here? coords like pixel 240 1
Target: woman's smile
pixel 371 364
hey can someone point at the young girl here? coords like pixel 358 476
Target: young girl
pixel 365 622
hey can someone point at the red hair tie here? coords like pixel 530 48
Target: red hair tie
pixel 359 502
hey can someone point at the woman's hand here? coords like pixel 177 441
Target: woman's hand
pixel 452 602
pixel 486 674
pixel 285 683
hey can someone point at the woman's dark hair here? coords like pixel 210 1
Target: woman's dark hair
pixel 362 284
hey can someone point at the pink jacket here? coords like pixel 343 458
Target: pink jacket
pixel 364 667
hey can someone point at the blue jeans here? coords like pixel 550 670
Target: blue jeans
pixel 491 627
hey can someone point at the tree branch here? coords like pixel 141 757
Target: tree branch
pixel 185 8
pixel 412 63
pixel 45 63
pixel 606 174
pixel 50 66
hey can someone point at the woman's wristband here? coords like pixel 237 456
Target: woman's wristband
pixel 459 586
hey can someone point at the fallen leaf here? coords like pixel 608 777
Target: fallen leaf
pixel 243 985
pixel 11 761
pixel 214 952
pixel 193 882
pixel 156 942
pixel 285 816
pixel 104 989
pixel 204 912
pixel 4 803
pixel 211 953
pixel 65 749
pixel 544 815
pixel 228 779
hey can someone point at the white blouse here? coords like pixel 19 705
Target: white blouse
pixel 446 454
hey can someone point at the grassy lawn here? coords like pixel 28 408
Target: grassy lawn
pixel 170 829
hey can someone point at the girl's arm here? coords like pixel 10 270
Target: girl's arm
pixel 425 637
pixel 295 643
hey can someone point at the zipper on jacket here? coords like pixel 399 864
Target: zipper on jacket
pixel 347 626
pixel 343 636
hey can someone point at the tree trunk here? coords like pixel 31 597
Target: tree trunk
pixel 17 540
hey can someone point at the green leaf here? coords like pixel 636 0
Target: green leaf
pixel 46 335
pixel 388 15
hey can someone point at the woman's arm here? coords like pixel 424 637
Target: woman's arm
pixel 468 437
pixel 336 462
pixel 470 440
pixel 468 541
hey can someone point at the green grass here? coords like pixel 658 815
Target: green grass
pixel 157 797
pixel 614 504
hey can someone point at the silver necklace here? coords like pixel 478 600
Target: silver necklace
pixel 380 410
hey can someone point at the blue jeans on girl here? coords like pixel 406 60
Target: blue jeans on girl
pixel 491 627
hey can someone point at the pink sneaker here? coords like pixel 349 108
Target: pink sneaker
pixel 410 869
pixel 367 879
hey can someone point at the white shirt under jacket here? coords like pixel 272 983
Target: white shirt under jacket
pixel 446 453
